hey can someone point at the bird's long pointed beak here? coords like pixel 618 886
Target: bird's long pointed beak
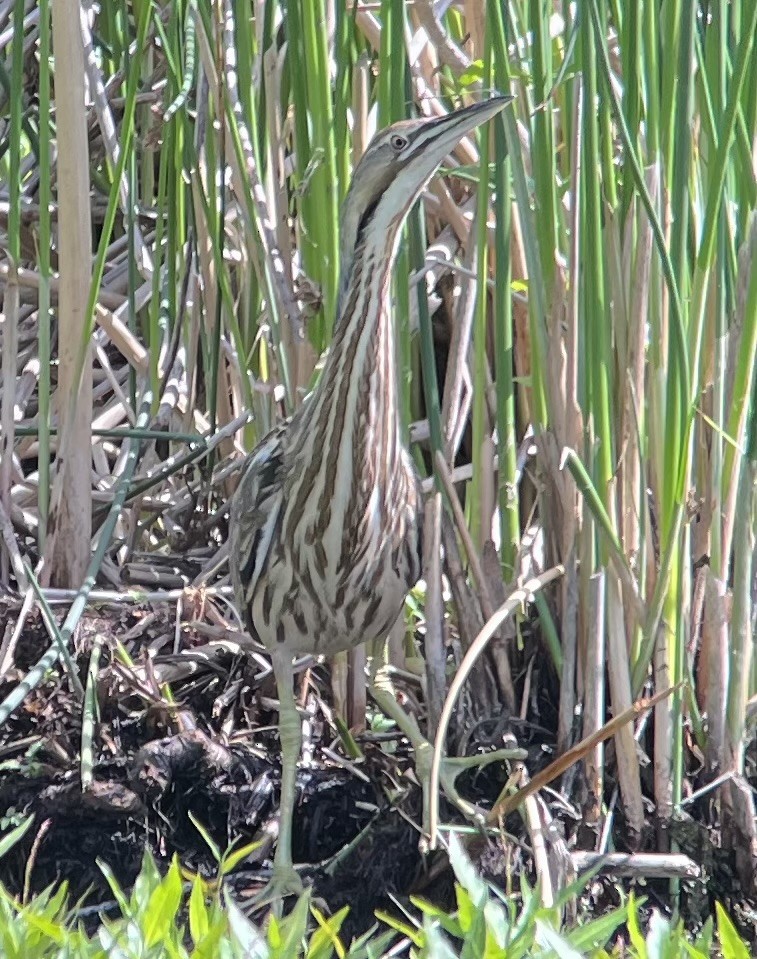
pixel 440 135
pixel 463 121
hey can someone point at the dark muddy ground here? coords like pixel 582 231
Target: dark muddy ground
pixel 211 750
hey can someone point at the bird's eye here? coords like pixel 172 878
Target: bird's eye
pixel 398 142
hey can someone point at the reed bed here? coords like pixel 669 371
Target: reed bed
pixel 576 304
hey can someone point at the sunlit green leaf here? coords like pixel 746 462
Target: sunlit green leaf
pixel 198 911
pixel 9 839
pixel 730 941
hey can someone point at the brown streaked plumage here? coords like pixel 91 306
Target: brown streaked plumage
pixel 325 528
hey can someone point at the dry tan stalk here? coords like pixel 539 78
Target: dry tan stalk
pixel 640 296
pixel 421 56
pixel 30 279
pixel 714 675
pixel 475 24
pixel 627 760
pixel 457 363
pixel 125 412
pixel 572 517
pixel 100 466
pixel 122 337
pixel 368 24
pixel 357 692
pixel 9 331
pixel 71 500
pixel 740 830
pixel 31 19
pixel 594 694
pixel 464 533
pixel 175 390
pixel 747 263
pixel 339 684
pixel 11 545
pixel 532 807
pixel 25 386
pixel 463 417
pixel 469 619
pixel 11 637
pixel 663 729
pixel 447 50
pixel 487 485
pixel 504 671
pixel 454 215
pixel 236 377
pixel 638 865
pixel 508 803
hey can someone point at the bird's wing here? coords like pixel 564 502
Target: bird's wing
pixel 255 514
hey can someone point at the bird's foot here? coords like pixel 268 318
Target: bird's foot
pixel 449 770
pixel 284 882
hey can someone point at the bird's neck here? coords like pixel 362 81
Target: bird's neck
pixel 359 380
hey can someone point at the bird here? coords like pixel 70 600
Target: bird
pixel 325 527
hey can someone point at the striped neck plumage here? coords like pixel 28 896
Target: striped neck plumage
pixel 359 381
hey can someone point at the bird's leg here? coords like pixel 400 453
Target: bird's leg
pixel 450 767
pixel 285 881
pixel 383 695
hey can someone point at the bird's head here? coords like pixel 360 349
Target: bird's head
pixel 396 166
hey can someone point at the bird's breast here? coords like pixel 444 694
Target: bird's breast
pixel 340 577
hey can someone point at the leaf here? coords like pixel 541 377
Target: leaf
pixel 524 925
pixel 115 888
pixel 597 932
pixel 497 929
pixel 217 933
pixel 449 923
pixel 693 953
pixel 212 846
pixel 474 73
pixel 9 840
pixel 52 930
pixel 634 930
pixel 146 882
pixel 730 942
pixel 160 915
pixel 325 940
pixel 658 936
pixel 245 933
pixel 294 928
pixel 232 857
pixel 549 937
pixel 372 946
pixel 437 946
pixel 198 912
pixel 465 872
pixel 399 926
pixel 466 911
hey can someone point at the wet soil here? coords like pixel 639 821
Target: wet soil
pixel 209 752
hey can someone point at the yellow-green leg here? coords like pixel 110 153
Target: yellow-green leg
pixel 383 696
pixel 285 881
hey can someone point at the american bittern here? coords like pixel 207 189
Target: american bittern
pixel 325 528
